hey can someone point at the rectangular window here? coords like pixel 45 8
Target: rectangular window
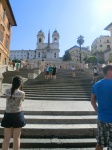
pixel 0 57
pixel 108 46
pixel 8 25
pixel 1 35
pixel 5 61
pixel 4 14
pixel 107 41
pixel 7 43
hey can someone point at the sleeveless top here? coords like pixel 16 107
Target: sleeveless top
pixel 14 104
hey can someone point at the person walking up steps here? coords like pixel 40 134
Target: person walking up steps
pixel 13 119
pixel 95 75
pixel 47 72
pixel 101 100
pixel 17 66
pixel 73 72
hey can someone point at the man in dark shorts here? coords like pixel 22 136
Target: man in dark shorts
pixel 54 72
pixel 101 100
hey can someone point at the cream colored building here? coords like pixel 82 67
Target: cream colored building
pixel 102 46
pixel 7 20
pixel 75 53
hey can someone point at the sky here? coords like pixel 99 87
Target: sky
pixel 71 18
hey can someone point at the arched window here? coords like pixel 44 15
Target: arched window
pixel 39 55
pixel 40 40
pixel 54 55
pixel 55 40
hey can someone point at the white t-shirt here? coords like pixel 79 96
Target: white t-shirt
pixel 47 68
pixel 14 104
pixel 73 68
pixel 95 71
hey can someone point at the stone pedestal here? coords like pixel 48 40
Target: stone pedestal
pixel 32 75
pixel 37 71
pixel 42 66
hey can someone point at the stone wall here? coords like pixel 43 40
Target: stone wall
pixel 58 63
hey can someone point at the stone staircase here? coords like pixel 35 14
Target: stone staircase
pixel 9 74
pixel 72 126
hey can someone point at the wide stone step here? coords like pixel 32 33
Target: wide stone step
pixel 58 130
pixel 58 94
pixel 55 143
pixel 41 119
pixel 56 87
pixel 56 112
pixel 58 90
pixel 92 148
pixel 57 98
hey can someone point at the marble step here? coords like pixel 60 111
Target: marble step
pixel 59 148
pixel 47 95
pixel 59 89
pixel 57 112
pixel 56 87
pixel 71 90
pixel 27 94
pixel 41 119
pixel 57 98
pixel 58 130
pixel 57 93
pixel 55 143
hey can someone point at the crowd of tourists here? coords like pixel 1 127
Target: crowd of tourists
pixel 50 72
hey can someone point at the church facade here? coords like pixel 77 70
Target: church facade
pixel 43 51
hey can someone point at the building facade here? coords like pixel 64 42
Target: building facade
pixel 7 20
pixel 102 47
pixel 43 51
pixel 75 53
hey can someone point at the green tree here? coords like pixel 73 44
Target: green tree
pixel 80 41
pixel 16 60
pixel 101 60
pixel 91 59
pixel 85 59
pixel 67 56
pixel 110 58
